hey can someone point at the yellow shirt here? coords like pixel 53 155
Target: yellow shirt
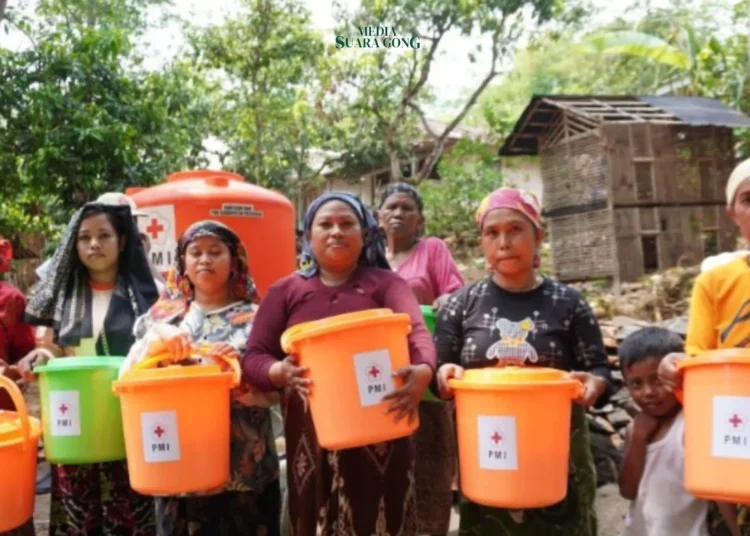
pixel 720 308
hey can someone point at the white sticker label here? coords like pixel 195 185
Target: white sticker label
pixel 497 443
pixel 374 376
pixel 237 209
pixel 65 413
pixel 161 439
pixel 160 229
pixel 731 427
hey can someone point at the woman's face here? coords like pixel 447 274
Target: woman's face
pixel 739 212
pixel 336 237
pixel 510 242
pixel 399 216
pixel 208 264
pixel 98 244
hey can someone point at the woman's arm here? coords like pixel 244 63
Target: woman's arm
pixel 264 345
pixel 400 299
pixel 701 333
pixel 590 355
pixel 443 268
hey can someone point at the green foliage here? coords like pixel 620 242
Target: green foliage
pixel 469 172
pixel 80 117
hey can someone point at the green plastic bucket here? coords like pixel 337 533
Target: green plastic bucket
pixel 81 418
pixel 428 313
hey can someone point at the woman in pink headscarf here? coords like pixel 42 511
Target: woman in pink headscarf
pixel 517 317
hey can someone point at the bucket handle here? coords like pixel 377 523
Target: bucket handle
pixel 286 344
pixel 203 350
pixel 17 397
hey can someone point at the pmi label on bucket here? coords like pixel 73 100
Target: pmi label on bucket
pixel 731 427
pixel 497 443
pixel 65 413
pixel 160 436
pixel 374 377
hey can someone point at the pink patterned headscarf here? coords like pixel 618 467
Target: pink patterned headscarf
pixel 519 200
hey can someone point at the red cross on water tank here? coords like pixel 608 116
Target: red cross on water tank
pixel 736 420
pixel 374 372
pixel 154 228
pixel 496 438
pixel 63 409
pixel 159 431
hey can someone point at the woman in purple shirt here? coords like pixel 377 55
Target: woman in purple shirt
pixel 366 490
pixel 428 267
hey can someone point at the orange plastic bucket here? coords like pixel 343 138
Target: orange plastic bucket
pixel 513 429
pixel 176 425
pixel 351 359
pixel 716 402
pixel 19 439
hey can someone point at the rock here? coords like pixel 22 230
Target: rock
pixel 602 425
pixel 606 458
pixel 617 376
pixel 617 440
pixel 609 408
pixel 630 407
pixel 678 325
pixel 619 418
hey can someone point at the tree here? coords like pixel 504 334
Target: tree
pixel 272 103
pixel 80 116
pixel 395 91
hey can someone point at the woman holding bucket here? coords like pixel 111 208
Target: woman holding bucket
pixel 517 317
pixel 98 283
pixel 427 265
pixel 211 299
pixel 362 490
pixel 719 306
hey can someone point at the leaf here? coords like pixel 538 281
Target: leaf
pixel 641 45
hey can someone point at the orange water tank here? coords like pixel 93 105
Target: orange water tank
pixel 263 219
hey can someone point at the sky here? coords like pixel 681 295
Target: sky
pixel 451 77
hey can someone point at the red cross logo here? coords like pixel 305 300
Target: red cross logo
pixel 63 409
pixel 496 438
pixel 736 420
pixel 159 431
pixel 374 372
pixel 154 228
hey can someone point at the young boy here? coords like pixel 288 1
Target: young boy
pixel 652 469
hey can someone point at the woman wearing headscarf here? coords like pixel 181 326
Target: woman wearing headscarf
pixel 367 490
pixel 517 317
pixel 98 283
pixel 428 267
pixel 211 299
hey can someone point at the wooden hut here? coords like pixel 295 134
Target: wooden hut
pixel 631 184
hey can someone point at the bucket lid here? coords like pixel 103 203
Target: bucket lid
pixel 512 377
pixel 337 323
pixel 11 430
pixel 170 373
pixel 80 363
pixel 724 356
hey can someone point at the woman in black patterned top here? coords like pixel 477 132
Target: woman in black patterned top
pixel 517 317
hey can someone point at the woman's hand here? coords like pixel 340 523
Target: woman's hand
pixel 445 373
pixel 172 340
pixel 593 388
pixel 669 375
pixel 13 373
pixel 223 349
pixel 35 358
pixel 440 302
pixel 287 373
pixel 405 399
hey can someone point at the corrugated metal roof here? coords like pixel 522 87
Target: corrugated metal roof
pixel 590 110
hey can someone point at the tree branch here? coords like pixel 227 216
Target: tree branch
pixel 3 4
pixel 23 30
pixel 422 116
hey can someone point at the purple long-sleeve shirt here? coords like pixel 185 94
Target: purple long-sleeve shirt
pixel 295 299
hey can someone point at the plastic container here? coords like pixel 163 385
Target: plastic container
pixel 513 428
pixel 264 220
pixel 176 422
pixel 81 417
pixel 351 359
pixel 19 439
pixel 716 402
